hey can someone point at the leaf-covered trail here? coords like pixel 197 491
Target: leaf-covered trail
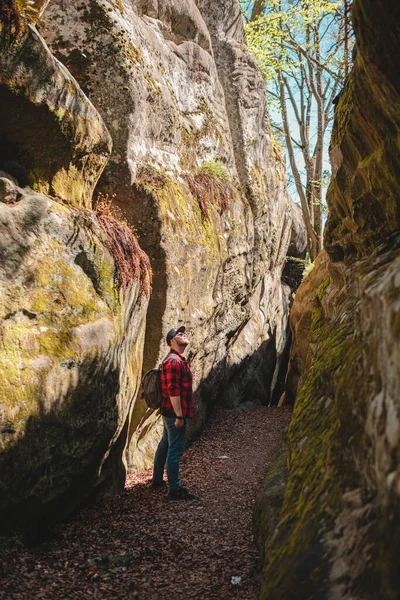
pixel 172 550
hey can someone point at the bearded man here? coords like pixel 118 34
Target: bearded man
pixel 176 408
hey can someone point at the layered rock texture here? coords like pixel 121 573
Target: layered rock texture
pixel 196 171
pixel 338 530
pixel 70 358
pixel 71 327
pixel 194 168
pixel 51 137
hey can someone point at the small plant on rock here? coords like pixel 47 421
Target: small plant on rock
pixel 211 183
pixel 132 263
pixel 149 178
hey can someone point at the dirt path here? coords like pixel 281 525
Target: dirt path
pixel 165 550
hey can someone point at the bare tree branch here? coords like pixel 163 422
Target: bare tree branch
pixel 306 51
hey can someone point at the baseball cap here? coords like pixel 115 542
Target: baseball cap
pixel 172 333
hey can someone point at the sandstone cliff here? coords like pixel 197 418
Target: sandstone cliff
pixel 338 530
pixel 72 326
pixel 194 168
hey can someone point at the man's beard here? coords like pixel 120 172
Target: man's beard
pixel 183 346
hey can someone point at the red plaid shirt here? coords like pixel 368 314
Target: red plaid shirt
pixel 176 380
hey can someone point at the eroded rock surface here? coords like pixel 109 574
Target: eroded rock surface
pixel 70 359
pixel 185 105
pixel 301 317
pixel 337 535
pixel 71 324
pixel 51 136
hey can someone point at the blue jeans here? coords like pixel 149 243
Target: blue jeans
pixel 170 450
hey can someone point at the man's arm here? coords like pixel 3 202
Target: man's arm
pixel 173 376
pixel 176 405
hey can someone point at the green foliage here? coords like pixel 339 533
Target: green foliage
pixel 280 36
pixel 303 49
pixel 215 170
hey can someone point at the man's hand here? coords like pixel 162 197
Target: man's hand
pixel 176 405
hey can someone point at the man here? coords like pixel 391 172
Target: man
pixel 176 408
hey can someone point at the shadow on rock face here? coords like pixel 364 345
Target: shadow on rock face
pixel 68 452
pixel 256 381
pixel 29 136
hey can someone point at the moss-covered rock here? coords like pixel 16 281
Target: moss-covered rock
pixel 337 535
pixel 302 314
pixel 199 178
pixel 51 136
pixel 269 500
pixel 363 197
pixel 71 347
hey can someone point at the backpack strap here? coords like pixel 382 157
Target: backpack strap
pixel 163 360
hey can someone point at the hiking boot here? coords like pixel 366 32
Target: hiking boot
pixel 180 494
pixel 157 485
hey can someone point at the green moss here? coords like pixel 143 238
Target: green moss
pixel 180 212
pixel 17 380
pixel 119 5
pixel 151 84
pixel 362 194
pixel 130 53
pixel 318 311
pixel 319 471
pixel 343 112
pixel 40 315
pixel 49 159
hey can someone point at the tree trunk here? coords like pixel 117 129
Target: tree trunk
pixel 258 9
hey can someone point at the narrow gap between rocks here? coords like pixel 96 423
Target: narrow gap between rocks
pixel 139 545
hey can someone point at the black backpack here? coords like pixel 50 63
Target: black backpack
pixel 151 386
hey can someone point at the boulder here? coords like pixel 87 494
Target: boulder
pixel 51 136
pixel 70 359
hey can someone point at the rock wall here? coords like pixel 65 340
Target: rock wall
pixel 71 336
pixel 196 170
pixel 337 535
pixel 51 137
pixel 70 359
pixel 301 318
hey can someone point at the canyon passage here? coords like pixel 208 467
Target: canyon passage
pixel 143 187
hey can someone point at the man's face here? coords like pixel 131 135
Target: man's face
pixel 180 341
